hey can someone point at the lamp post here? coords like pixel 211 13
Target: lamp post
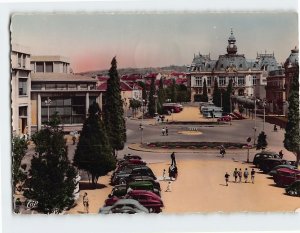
pixel 172 110
pixel 248 147
pixel 155 99
pixel 264 105
pixel 221 99
pixel 254 121
pixel 48 102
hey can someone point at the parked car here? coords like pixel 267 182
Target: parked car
pixel 224 118
pixel 264 155
pixel 286 176
pixel 144 178
pixel 131 161
pixel 124 206
pixel 266 165
pixel 294 189
pixel 274 170
pixel 147 198
pixel 120 177
pixel 132 157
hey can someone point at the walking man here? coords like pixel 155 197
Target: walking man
pixel 164 174
pixel 252 175
pixel 163 131
pixel 240 174
pixel 222 151
pixel 226 178
pixel 167 131
pixel 235 174
pixel 280 154
pixel 86 203
pixel 173 159
pixel 246 174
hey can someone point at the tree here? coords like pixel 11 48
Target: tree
pixel 151 104
pixel 204 93
pixel 114 112
pixel 19 147
pixel 217 94
pixel 134 105
pixel 226 97
pixel 292 132
pixel 52 178
pixel 144 92
pixel 261 141
pixel 173 91
pixel 94 153
pixel 161 97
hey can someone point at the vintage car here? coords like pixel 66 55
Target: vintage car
pixel 124 206
pixel 131 161
pixel 286 176
pixel 266 165
pixel 147 198
pixel 132 178
pixel 274 170
pixel 121 177
pixel 225 118
pixel 264 155
pixel 132 157
pixel 294 189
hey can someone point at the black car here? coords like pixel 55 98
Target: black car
pixel 132 178
pixel 294 189
pixel 122 176
pixel 264 155
pixel 266 165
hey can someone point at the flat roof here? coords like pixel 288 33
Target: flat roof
pixel 60 77
pixel 49 58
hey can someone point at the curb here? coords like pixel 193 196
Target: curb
pixel 137 147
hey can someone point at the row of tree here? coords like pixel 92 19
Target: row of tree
pixel 52 178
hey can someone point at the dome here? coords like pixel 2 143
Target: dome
pixel 293 59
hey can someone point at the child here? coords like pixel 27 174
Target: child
pixel 240 174
pixel 164 174
pixel 252 175
pixel 235 174
pixel 168 187
pixel 86 203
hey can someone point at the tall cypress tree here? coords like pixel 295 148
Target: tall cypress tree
pixel 173 92
pixel 144 91
pixel 261 141
pixel 94 153
pixel 217 94
pixel 204 93
pixel 292 132
pixel 161 96
pixel 226 97
pixel 114 112
pixel 151 103
pixel 52 178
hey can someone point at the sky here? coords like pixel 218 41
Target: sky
pixel 152 40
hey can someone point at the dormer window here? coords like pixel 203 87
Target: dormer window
pixel 222 66
pixel 49 67
pixel 241 65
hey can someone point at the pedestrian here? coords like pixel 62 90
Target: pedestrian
pixel 235 174
pixel 240 174
pixel 252 175
pixel 246 174
pixel 164 174
pixel 86 203
pixel 167 131
pixel 173 159
pixel 226 178
pixel 168 187
pixel 280 154
pixel 163 131
pixel 222 151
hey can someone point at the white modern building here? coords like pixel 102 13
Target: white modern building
pixel 20 90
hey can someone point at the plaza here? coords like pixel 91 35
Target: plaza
pixel 200 186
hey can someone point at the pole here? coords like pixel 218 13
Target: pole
pixel 48 111
pixel 221 99
pixel 264 117
pixel 248 155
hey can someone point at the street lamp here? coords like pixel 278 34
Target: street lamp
pixel 155 99
pixel 172 110
pixel 248 147
pixel 264 105
pixel 254 121
pixel 48 102
pixel 141 124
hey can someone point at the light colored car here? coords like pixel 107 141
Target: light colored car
pixel 124 206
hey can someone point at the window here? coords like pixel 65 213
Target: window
pixel 83 86
pixel 36 86
pixel 49 67
pixel 222 66
pixel 209 81
pixel 23 111
pixel 198 81
pixel 50 86
pixel 241 81
pixel 222 81
pixel 241 66
pixel 22 86
pixel 254 80
pixel 40 67
pixel 72 86
pixel 61 86
pixel 19 60
pixel 24 60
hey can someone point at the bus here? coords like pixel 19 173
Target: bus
pixel 211 111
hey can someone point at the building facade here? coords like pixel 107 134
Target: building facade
pixel 20 90
pixel 55 89
pixel 248 76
